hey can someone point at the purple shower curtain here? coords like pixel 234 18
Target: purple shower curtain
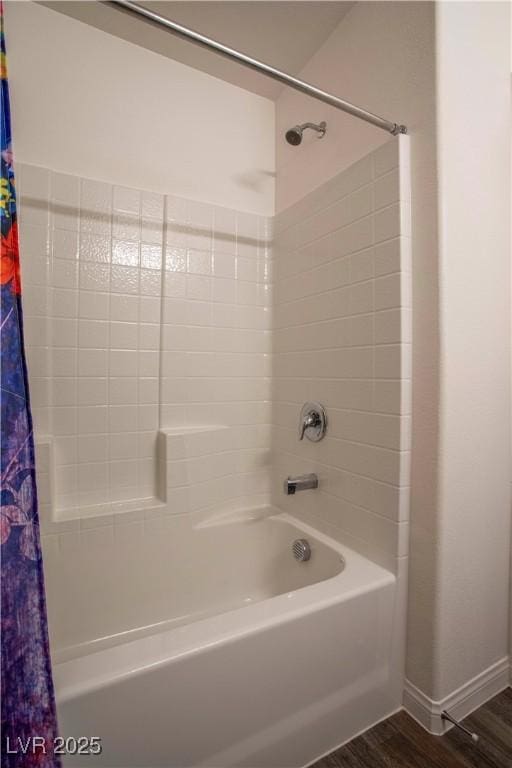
pixel 29 724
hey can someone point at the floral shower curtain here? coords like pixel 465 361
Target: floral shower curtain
pixel 28 706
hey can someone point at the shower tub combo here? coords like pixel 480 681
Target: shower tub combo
pixel 184 631
pixel 276 662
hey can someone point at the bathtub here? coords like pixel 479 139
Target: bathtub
pixel 274 663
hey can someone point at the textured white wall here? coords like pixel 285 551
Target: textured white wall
pixel 474 250
pixel 92 105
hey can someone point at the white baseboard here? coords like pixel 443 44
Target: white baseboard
pixel 461 702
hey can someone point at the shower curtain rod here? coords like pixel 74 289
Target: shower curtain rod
pixel 259 66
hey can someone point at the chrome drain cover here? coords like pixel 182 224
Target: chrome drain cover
pixel 301 550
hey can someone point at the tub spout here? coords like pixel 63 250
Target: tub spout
pixel 300 483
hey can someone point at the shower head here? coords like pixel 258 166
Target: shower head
pixel 294 135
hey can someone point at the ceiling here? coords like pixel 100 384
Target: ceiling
pixel 283 34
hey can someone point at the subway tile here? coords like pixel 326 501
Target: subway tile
pixel 176 259
pixel 354 237
pixel 199 262
pixel 148 390
pixel 93 276
pixel 175 285
pixel 388 292
pixel 330 278
pixel 93 475
pixel 387 189
pixel 388 361
pixel 147 416
pixel 386 157
pixel 123 335
pixel 123 390
pixel 148 362
pixel 92 362
pixel 150 282
pixel 361 266
pixel 64 391
pixel 35 299
pixel 176 209
pixel 198 287
pixel 127 200
pixel 92 391
pixel 123 446
pixel 123 362
pixel 224 290
pixel 361 298
pixel 388 329
pixel 387 257
pixel 122 473
pixel 35 331
pixel 34 240
pixel 224 265
pixel 64 244
pixel 150 256
pixel 126 228
pixel 125 253
pixel 64 362
pixel 94 247
pixel 149 309
pixel 92 419
pixel 64 420
pixel 361 330
pixel 224 230
pixel 34 271
pixel 96 222
pixel 124 308
pixel 92 334
pixel 360 203
pixel 152 206
pixel 92 448
pixel 177 234
pixel 124 279
pixel 65 216
pixel 122 418
pixel 148 336
pixel 387 223
pixel 93 305
pixel 64 302
pixel 38 359
pixel 246 269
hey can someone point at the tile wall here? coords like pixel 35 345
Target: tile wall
pixel 142 313
pixel 342 336
pixel 171 346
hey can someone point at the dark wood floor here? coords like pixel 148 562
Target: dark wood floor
pixel 400 742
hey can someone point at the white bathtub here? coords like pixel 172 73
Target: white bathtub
pixel 275 663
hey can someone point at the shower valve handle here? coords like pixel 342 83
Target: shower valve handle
pixel 312 422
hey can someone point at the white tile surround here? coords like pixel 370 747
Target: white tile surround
pixel 342 336
pixel 171 345
pixel 143 313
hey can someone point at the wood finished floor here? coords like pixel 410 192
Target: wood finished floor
pixel 400 742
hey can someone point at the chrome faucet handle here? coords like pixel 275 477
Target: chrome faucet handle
pixel 312 419
pixel 312 422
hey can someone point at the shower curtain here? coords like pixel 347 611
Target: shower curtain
pixel 28 706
